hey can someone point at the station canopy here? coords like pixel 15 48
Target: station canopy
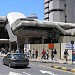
pixel 24 26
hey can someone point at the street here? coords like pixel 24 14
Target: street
pixel 35 68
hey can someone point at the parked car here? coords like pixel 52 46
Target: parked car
pixel 16 59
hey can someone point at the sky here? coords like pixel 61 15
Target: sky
pixel 27 7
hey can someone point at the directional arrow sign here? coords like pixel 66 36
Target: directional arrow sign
pixel 47 72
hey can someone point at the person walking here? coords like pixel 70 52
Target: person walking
pixel 36 53
pixel 47 53
pixel 29 53
pixel 25 52
pixel 55 53
pixel 43 54
pixel 52 54
pixel 33 53
pixel 66 54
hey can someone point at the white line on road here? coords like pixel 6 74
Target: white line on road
pixel 54 68
pixel 47 72
pixel 13 73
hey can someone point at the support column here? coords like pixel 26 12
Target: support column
pixel 9 47
pixel 18 43
pixel 26 40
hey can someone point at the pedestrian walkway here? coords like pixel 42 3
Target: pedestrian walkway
pixel 52 61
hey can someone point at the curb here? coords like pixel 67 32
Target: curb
pixel 47 61
pixel 34 60
pixel 64 68
pixel 42 61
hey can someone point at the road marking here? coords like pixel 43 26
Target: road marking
pixel 54 68
pixel 26 73
pixel 14 73
pixel 47 72
pixel 44 66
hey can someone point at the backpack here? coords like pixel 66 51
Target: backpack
pixel 65 53
pixel 55 52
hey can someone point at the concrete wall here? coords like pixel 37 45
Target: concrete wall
pixel 67 15
pixel 57 16
pixel 60 47
pixel 66 39
pixel 56 4
pixel 40 47
pixel 70 4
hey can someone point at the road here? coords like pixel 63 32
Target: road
pixel 34 68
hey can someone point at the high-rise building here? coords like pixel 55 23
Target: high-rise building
pixel 59 10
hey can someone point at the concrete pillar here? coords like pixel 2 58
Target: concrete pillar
pixel 9 47
pixel 26 40
pixel 18 43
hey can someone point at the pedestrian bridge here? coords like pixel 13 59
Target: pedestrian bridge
pixel 30 30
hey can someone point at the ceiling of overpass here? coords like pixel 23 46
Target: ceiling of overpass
pixel 50 34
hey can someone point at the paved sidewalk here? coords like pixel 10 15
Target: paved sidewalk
pixel 51 61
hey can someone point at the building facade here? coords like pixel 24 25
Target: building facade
pixel 59 10
pixel 17 30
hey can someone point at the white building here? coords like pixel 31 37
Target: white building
pixel 59 10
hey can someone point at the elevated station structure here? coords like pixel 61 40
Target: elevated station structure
pixel 25 30
pixel 30 30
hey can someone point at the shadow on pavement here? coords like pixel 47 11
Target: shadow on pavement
pixel 19 67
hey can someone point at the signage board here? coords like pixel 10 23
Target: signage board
pixel 69 46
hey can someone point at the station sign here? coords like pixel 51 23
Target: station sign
pixel 69 46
